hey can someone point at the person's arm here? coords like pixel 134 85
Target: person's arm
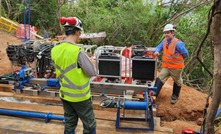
pixel 85 63
pixel 159 48
pixel 182 49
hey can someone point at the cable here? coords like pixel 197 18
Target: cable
pixel 105 103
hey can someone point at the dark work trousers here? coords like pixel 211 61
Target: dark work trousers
pixel 82 110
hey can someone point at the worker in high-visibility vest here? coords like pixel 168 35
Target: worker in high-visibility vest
pixel 73 70
pixel 174 53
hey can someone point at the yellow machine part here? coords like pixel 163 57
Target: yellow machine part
pixel 8 25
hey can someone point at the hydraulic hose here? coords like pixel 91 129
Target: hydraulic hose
pixel 108 103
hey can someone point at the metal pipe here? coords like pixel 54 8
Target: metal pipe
pixel 47 116
pixel 135 105
pixel 29 20
pixel 24 4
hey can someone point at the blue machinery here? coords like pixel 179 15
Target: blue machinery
pixel 22 77
pixel 146 106
pixel 25 74
pixel 135 105
pixel 46 116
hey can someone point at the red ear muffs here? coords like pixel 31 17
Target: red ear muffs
pixel 69 21
pixel 63 20
pixel 72 21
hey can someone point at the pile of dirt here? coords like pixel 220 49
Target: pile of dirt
pixel 6 39
pixel 183 114
pixel 186 113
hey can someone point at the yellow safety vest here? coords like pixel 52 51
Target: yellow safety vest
pixel 75 85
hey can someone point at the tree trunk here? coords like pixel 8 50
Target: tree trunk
pixel 9 8
pixel 216 36
pixel 59 4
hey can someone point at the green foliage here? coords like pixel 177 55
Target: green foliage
pixel 124 22
pixel 42 15
pixel 191 29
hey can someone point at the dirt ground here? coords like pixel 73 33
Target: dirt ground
pixel 184 114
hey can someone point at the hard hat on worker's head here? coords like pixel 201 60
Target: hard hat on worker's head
pixel 71 22
pixel 169 27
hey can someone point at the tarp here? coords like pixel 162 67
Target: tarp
pixel 94 37
pixel 9 25
pixel 20 33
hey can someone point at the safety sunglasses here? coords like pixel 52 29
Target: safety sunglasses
pixel 69 20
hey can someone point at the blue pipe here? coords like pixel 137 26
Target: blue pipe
pixel 46 116
pixel 25 38
pixel 29 20
pixel 135 105
pixel 152 88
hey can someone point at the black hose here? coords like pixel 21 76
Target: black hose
pixel 108 103
pixel 6 82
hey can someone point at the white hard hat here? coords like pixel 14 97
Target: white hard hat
pixel 169 27
pixel 79 24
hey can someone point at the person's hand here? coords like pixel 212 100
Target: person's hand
pixel 156 53
pixel 92 60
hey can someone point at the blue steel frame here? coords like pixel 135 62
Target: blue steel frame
pixel 29 19
pixel 21 78
pixel 148 115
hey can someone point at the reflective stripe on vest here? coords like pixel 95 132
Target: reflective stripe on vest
pixel 74 95
pixel 70 84
pixel 170 58
pixel 174 63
